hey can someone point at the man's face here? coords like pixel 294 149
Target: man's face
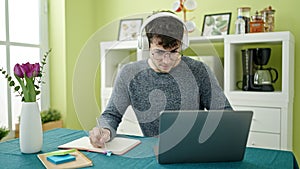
pixel 163 60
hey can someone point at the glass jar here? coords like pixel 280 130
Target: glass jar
pixel 245 13
pixel 269 19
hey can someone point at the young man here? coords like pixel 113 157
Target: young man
pixel 165 81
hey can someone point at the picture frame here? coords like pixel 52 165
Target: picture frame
pixel 129 29
pixel 216 24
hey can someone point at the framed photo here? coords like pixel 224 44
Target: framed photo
pixel 216 24
pixel 129 29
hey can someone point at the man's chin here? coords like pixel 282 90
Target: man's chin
pixel 164 70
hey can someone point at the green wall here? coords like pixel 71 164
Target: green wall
pixel 57 41
pixel 73 22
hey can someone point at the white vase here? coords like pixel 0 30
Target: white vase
pixel 31 133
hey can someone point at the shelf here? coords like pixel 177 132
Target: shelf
pixel 262 99
pixel 205 39
pixel 119 45
pixel 266 37
pixel 269 37
pixel 258 95
pixel 246 38
pixel 283 43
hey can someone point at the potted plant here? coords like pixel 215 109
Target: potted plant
pixel 3 132
pixel 50 118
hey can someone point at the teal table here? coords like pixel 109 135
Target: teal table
pixel 140 157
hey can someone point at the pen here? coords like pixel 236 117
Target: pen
pixel 100 131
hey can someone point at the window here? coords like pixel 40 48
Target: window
pixel 23 38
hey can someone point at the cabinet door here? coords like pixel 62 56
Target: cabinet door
pixel 265 119
pixel 264 140
pixel 265 127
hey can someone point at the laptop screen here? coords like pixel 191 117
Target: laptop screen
pixel 203 136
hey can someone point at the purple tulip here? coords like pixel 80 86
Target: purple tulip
pixel 30 70
pixel 36 69
pixel 26 68
pixel 18 70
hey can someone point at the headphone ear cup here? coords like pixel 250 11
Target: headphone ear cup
pixel 185 41
pixel 143 43
pixel 139 41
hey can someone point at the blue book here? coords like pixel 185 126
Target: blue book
pixel 59 159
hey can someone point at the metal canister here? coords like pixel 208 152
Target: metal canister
pixel 257 23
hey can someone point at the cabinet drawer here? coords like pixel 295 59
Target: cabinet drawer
pixel 264 140
pixel 264 119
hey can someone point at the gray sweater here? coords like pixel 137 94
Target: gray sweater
pixel 190 85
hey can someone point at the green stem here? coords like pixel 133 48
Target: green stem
pixel 24 89
pixel 28 89
pixel 31 94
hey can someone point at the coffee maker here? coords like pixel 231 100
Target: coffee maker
pixel 255 76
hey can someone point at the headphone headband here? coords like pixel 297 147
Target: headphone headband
pixel 185 41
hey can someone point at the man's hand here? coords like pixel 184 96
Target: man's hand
pixel 99 136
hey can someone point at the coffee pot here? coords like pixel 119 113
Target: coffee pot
pixel 255 76
pixel 265 77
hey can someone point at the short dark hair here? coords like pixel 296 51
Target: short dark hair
pixel 167 29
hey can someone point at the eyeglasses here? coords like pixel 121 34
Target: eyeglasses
pixel 160 54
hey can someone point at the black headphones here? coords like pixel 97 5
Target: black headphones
pixel 142 39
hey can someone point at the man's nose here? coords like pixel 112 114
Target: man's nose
pixel 166 57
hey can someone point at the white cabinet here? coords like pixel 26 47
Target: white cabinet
pixel 273 111
pixel 272 121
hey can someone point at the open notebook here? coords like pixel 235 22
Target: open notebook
pixel 118 146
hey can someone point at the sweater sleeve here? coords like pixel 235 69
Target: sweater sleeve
pixel 117 105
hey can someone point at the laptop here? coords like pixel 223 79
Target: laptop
pixel 203 136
